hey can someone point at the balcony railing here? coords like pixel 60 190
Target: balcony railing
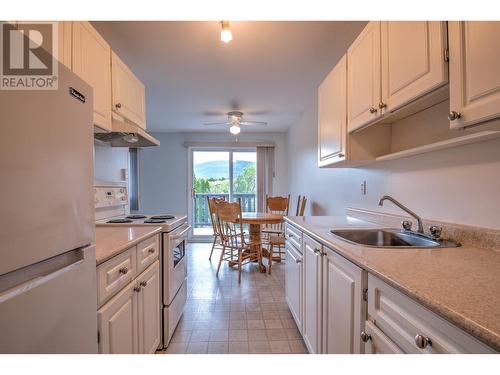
pixel 202 215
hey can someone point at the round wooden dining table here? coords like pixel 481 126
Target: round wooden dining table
pixel 255 220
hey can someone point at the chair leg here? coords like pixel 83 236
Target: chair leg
pixel 240 260
pixel 271 248
pixel 220 259
pixel 213 247
pixel 258 250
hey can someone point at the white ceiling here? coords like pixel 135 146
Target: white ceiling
pixel 269 71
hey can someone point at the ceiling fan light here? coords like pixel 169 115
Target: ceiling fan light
pixel 225 34
pixel 235 129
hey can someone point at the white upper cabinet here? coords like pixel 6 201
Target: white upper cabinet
pixel 129 94
pixel 91 60
pixel 474 72
pixel 413 61
pixel 332 115
pixel 363 78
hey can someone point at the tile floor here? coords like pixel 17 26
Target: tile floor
pixel 222 316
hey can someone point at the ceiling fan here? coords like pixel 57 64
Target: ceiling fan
pixel 235 119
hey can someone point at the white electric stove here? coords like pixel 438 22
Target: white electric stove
pixel 111 209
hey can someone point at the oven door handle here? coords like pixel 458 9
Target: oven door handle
pixel 181 235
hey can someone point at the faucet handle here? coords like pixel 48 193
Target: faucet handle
pixel 435 231
pixel 406 224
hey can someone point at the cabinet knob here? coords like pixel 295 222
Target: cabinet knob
pixel 373 110
pixel 365 337
pixel 137 289
pixel 118 105
pixel 143 283
pixel 422 341
pixel 317 251
pixel 298 261
pixel 151 251
pixel 290 235
pixel 453 115
pixel 123 270
pixel 340 155
pixel 382 105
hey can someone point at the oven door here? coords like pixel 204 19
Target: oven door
pixel 175 262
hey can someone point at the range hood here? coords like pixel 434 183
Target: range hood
pixel 126 134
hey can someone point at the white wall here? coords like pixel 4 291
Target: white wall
pixel 163 170
pixel 108 162
pixel 459 185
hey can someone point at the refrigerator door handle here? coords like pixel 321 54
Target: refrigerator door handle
pixel 21 281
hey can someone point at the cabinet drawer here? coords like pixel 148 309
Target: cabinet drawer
pixel 401 319
pixel 114 274
pixel 378 342
pixel 293 237
pixel 147 252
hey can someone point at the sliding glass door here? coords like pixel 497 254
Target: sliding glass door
pixel 224 173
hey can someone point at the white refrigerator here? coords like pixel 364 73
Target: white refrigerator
pixel 47 261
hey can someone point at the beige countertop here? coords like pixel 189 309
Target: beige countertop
pixel 462 284
pixel 110 241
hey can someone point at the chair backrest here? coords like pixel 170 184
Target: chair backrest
pixel 279 206
pixel 211 211
pixel 301 206
pixel 228 219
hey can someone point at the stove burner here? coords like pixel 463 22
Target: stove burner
pixel 119 221
pixel 162 217
pixel 154 221
pixel 136 217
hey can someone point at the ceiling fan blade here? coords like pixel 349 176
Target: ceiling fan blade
pixel 216 123
pixel 213 113
pixel 253 123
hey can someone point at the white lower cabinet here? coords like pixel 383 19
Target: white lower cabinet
pixel 293 283
pixel 117 323
pixel 130 321
pixel 149 309
pixel 339 308
pixel 311 328
pixel 344 309
pixel 412 327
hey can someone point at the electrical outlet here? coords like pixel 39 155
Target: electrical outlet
pixel 363 187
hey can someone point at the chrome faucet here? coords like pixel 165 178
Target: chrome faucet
pixel 404 208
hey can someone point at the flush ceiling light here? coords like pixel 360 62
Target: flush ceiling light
pixel 235 129
pixel 225 33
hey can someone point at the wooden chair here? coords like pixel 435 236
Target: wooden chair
pixel 230 227
pixel 301 206
pixel 274 232
pixel 213 220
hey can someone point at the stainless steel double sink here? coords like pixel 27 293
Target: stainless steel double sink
pixel 391 238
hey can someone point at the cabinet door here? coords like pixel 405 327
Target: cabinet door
pixel 65 34
pixel 149 309
pixel 344 311
pixel 474 72
pixel 378 342
pixel 312 295
pixel 413 61
pixel 129 97
pixel 117 323
pixel 363 77
pixel 293 283
pixel 92 62
pixel 332 115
